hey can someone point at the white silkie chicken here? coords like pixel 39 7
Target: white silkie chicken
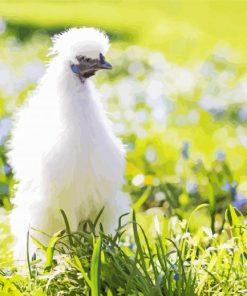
pixel 63 151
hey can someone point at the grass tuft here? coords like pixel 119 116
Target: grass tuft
pixel 186 263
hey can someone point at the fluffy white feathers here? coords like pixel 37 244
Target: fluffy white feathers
pixel 78 41
pixel 63 151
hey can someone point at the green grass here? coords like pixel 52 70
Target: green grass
pixel 184 263
pixel 183 172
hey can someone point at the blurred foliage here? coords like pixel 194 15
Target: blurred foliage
pixel 177 95
pixel 185 29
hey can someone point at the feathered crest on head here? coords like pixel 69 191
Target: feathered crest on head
pixel 77 41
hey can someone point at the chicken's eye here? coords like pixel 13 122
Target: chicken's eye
pixel 75 68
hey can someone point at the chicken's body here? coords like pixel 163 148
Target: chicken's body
pixel 65 155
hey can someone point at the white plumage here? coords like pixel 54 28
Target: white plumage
pixel 62 150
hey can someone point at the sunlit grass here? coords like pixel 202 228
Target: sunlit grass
pixel 181 111
pixel 182 263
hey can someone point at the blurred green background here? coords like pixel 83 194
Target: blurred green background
pixel 177 96
pixel 177 93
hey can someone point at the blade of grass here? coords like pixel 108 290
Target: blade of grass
pixel 233 219
pixel 180 260
pixel 68 230
pixel 28 258
pixel 98 217
pixel 50 249
pixel 139 247
pixel 95 268
pixel 132 275
pixel 80 268
pixel 38 243
pixel 212 204
pixel 193 212
pixel 141 200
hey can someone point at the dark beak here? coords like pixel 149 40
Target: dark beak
pixel 104 65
